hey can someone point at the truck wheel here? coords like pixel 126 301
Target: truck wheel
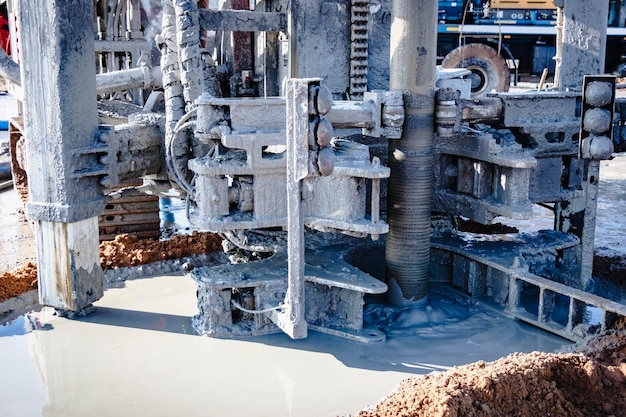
pixel 489 69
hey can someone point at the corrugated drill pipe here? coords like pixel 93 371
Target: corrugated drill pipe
pixel 412 71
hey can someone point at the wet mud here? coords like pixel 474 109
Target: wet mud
pixel 610 268
pixel 128 250
pixel 587 381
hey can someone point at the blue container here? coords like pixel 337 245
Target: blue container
pixel 543 58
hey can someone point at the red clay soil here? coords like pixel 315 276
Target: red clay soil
pixel 129 250
pixel 18 281
pixel 125 250
pixel 591 383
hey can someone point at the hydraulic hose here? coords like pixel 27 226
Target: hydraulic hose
pixel 187 73
pixel 172 90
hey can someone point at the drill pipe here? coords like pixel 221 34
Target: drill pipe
pixel 412 70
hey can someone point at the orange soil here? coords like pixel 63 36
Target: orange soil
pixel 591 383
pixel 125 250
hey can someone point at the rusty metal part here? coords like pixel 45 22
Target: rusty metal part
pixel 242 42
pixel 481 110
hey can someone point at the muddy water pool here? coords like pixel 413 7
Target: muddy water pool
pixel 137 355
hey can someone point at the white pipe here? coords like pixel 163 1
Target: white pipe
pixel 141 77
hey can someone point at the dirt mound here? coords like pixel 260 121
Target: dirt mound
pixel 125 250
pixel 609 348
pixel 591 383
pixel 18 282
pixel 129 250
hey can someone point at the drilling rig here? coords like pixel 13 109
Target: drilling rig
pixel 284 134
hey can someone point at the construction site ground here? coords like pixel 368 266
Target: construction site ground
pixel 137 354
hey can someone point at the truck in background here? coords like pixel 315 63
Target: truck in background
pixel 499 40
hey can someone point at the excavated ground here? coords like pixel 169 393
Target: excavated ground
pixel 588 382
pixel 128 250
pixel 591 382
pixel 125 250
pixel 18 281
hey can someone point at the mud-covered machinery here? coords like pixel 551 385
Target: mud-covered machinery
pixel 275 166
pixel 499 157
pixel 238 184
pixel 262 170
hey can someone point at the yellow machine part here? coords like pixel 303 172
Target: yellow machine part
pixel 522 4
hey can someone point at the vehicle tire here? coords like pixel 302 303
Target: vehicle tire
pixel 489 69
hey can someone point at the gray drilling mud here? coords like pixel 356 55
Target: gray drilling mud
pixel 139 345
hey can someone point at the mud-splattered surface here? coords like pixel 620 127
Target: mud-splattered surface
pixel 591 383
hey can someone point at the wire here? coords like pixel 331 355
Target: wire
pixel 178 175
pixel 241 241
pixel 245 310
pixel 181 125
pixel 185 117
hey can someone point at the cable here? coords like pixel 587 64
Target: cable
pixel 178 176
pixel 185 117
pixel 241 241
pixel 245 310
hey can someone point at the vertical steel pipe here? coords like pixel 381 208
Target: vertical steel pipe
pixel 412 71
